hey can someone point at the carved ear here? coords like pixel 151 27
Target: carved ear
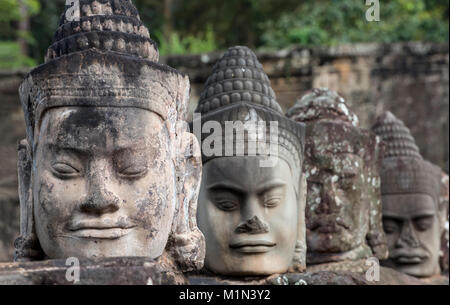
pixel 27 245
pixel 187 243
pixel 444 200
pixel 299 261
pixel 375 236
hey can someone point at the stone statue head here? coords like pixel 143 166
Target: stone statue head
pixel 414 213
pixel 108 168
pixel 251 203
pixel 343 210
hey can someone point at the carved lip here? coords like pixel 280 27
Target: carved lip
pixel 253 246
pixel 101 229
pixel 331 224
pixel 409 258
pixel 101 233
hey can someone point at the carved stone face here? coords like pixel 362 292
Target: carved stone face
pixel 104 183
pixel 249 216
pixel 411 224
pixel 336 210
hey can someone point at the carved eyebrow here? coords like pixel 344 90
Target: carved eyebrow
pixel 413 215
pixel 267 186
pixel 392 216
pixel 227 187
pixel 69 149
pixel 422 213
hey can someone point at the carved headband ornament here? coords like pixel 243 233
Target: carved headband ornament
pixel 404 170
pixel 102 55
pixel 238 90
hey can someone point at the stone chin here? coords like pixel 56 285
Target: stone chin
pixel 250 265
pixel 426 268
pixel 331 243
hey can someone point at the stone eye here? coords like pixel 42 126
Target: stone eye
pixel 227 205
pixel 64 170
pixel 390 226
pixel 133 171
pixel 272 202
pixel 423 223
pixel 347 181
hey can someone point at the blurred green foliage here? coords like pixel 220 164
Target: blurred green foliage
pixel 189 44
pixel 11 56
pixel 344 22
pixel 196 26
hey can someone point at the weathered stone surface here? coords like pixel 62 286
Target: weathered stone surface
pixel 343 211
pixel 112 271
pixel 327 276
pixel 307 278
pixel 415 209
pixel 108 168
pixel 359 268
pixel 251 203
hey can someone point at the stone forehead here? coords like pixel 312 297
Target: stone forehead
pixel 322 103
pixel 326 136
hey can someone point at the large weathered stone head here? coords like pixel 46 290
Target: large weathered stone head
pixel 108 168
pixel 343 210
pixel 251 204
pixel 414 212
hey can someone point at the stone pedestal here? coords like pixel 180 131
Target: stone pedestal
pixel 109 271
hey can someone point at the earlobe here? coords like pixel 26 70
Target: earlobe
pixel 299 261
pixel 187 243
pixel 444 200
pixel 27 245
pixel 375 237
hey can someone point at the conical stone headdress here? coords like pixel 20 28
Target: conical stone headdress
pixel 404 170
pixel 238 90
pixel 102 55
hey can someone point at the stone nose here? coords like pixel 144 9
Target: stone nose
pixel 253 226
pixel 101 198
pixel 327 203
pixel 408 238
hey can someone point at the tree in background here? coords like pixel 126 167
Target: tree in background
pixel 197 26
pixel 15 35
pixel 335 22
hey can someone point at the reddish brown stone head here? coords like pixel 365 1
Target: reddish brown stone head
pixel 343 211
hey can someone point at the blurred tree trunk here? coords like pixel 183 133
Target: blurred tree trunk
pixel 24 27
pixel 168 10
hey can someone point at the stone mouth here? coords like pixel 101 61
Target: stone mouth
pixel 253 246
pixel 331 224
pixel 101 233
pixel 100 229
pixel 409 257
